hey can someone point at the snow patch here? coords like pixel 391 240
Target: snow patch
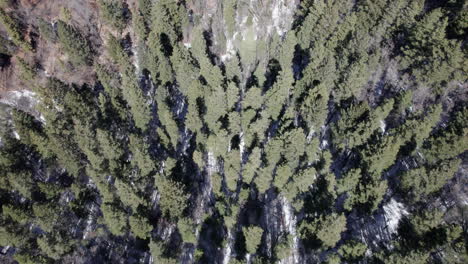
pixel 324 144
pixel 89 221
pixel 16 135
pixel 282 11
pixel 211 166
pixel 394 211
pixel 290 225
pixel 42 119
pixel 241 144
pixel 310 135
pixel 136 61
pixel 228 249
pixel 13 97
pixel 382 126
pixel 247 258
pixel 230 49
pixel 167 232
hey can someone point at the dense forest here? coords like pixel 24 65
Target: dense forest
pixel 253 131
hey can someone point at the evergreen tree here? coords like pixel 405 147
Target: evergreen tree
pixel 253 238
pixel 140 226
pixel 173 198
pixel 327 228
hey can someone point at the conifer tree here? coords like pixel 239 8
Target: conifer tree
pixel 253 237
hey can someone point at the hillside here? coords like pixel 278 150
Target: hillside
pixel 235 131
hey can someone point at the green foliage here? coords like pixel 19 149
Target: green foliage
pixel 310 125
pixel 414 257
pixel 253 238
pixel 14 30
pixel 167 120
pixel 65 14
pixel 353 250
pixel 25 258
pixel 428 180
pixel 6 3
pixel 18 215
pixel 129 88
pixel 358 123
pixel 111 149
pixel 168 17
pixel 74 44
pixel 141 157
pixel 45 216
pixel 50 190
pixel 139 25
pixel 47 30
pixel 419 129
pixel 448 142
pixel 282 249
pixel 114 218
pixel 56 246
pixel 187 230
pixel 426 221
pixel 27 72
pixel 382 155
pixel 140 226
pixel 368 195
pixel 229 12
pixel 158 253
pixel 21 182
pixel 128 195
pixel 110 82
pixel 429 54
pixel 349 181
pixel 173 197
pixel 326 228
pixel 113 13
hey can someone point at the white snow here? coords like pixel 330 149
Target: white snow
pixel 89 221
pixel 12 98
pixel 42 119
pixel 382 126
pixel 16 135
pixel 241 144
pixel 167 232
pixel 282 11
pixel 154 196
pixel 394 211
pixel 230 49
pixel 310 135
pixel 211 166
pixel 227 250
pixel 324 144
pixel 290 225
pixel 180 108
pixel 136 61
pixel 247 258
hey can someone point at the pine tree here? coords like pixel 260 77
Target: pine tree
pixel 141 157
pixel 140 226
pixel 74 43
pixel 113 13
pixel 115 219
pixel 427 180
pixel 187 230
pixel 253 238
pixel 327 228
pixel 173 197
pixel 353 250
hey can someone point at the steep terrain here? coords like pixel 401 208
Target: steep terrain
pixel 235 131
